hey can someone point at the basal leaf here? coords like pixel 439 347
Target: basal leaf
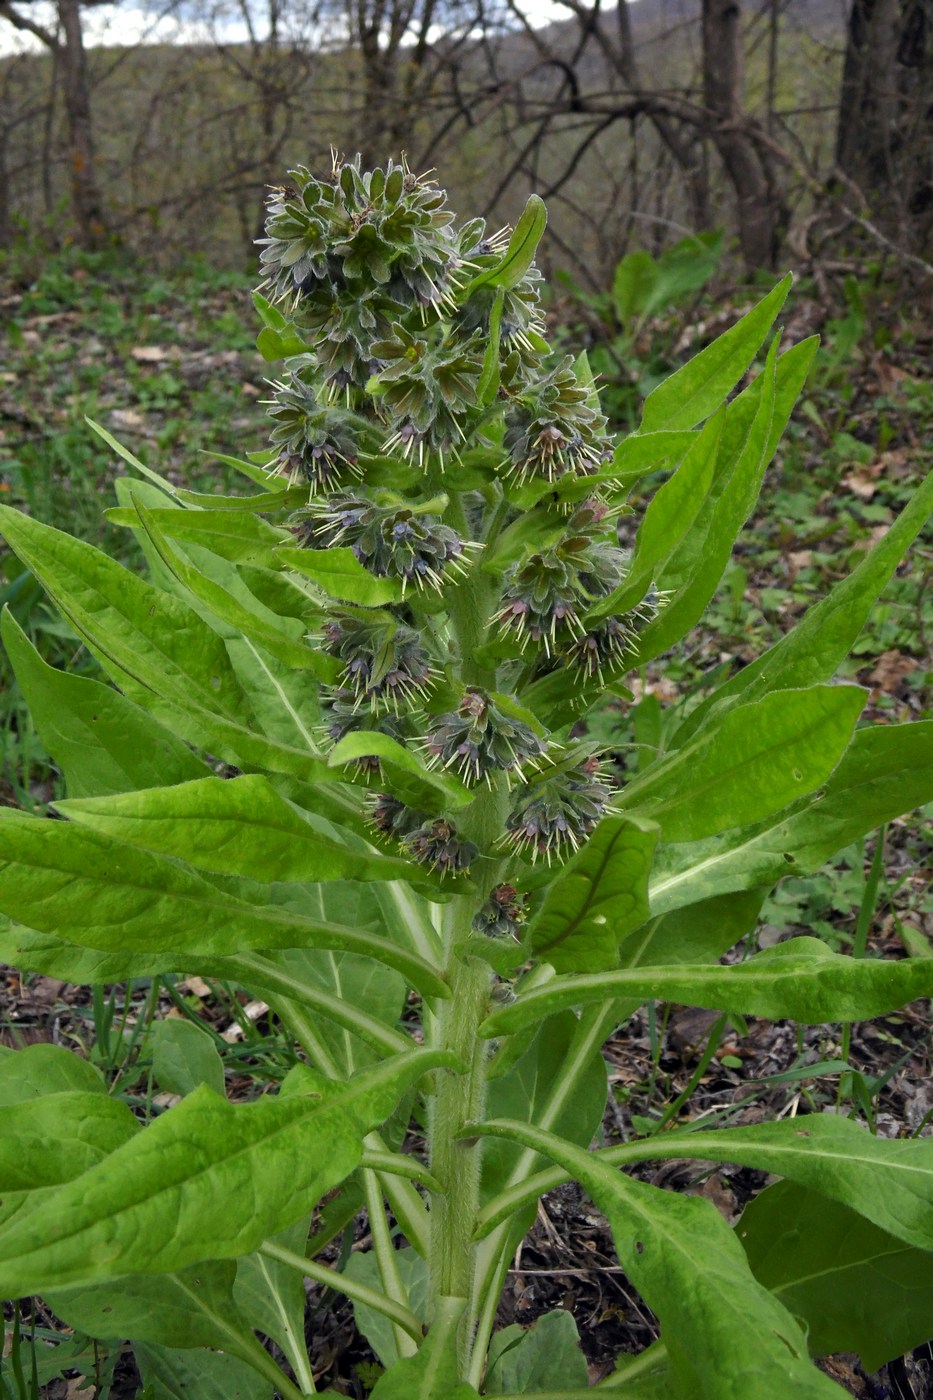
pixel 184 1057
pixel 207 1179
pixel 855 1287
pixel 171 1374
pixel 545 1355
pixel 42 1069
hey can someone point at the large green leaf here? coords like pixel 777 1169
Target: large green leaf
pixel 192 1308
pixel 824 1153
pixel 232 602
pixel 157 649
pixel 207 1179
pixel 823 638
pixel 698 932
pixel 724 1332
pixel 887 770
pixel 752 761
pixel 230 826
pixel 42 952
pixel 378 1329
pixel 802 980
pixel 99 893
pixel 695 391
pixel 184 1056
pixel 46 1069
pixel 100 740
pixel 672 512
pixel 597 898
pixel 49 1140
pixel 548 1352
pixel 855 1287
pixel 754 423
pixel 272 1295
pixel 171 1374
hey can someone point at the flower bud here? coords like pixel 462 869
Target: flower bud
pixel 436 843
pixel 559 811
pixel 478 739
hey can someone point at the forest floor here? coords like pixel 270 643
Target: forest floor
pixel 169 368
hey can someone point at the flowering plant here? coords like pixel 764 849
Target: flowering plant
pixel 344 759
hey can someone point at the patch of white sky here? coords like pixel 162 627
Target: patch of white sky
pixel 120 25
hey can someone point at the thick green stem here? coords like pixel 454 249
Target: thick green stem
pixel 455 1163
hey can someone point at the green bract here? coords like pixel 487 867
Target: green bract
pixel 388 650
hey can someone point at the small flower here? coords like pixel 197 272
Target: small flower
pixel 503 913
pixel 478 739
pixel 602 647
pixel 385 662
pixel 559 812
pixel 554 429
pixel 436 843
pixel 544 595
pixel 391 541
pixel 390 816
pixel 313 440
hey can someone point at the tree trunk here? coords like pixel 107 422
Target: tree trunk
pixel 87 203
pixel 761 210
pixel 885 123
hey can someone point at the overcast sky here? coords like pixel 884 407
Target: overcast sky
pixel 129 24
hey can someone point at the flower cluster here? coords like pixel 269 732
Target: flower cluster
pixel 479 739
pixel 390 540
pixel 428 419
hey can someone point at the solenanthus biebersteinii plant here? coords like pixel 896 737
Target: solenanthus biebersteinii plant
pixel 393 645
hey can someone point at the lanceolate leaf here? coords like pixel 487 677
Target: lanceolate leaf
pixel 855 1287
pixel 886 771
pixel 520 253
pixel 99 893
pixel 801 980
pixel 100 740
pixel 754 422
pixel 724 1331
pixel 154 645
pixel 230 826
pixel 282 636
pixel 235 535
pixel 402 762
pixel 596 898
pixel 341 575
pixel 824 1153
pixel 667 520
pixel 697 390
pixel 822 639
pixel 171 1374
pixel 186 1184
pixel 755 760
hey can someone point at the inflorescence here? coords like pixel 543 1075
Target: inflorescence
pixel 428 419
